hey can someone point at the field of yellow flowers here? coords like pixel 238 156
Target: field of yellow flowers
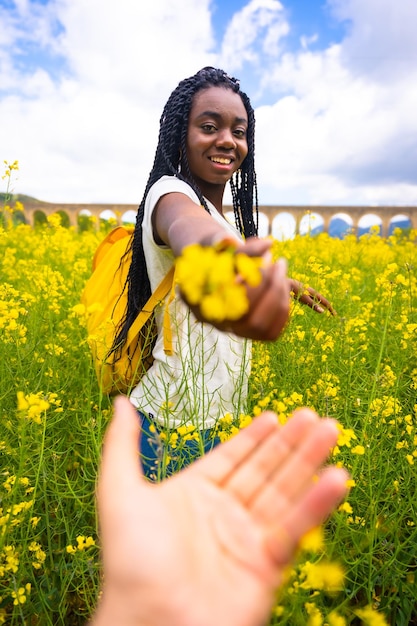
pixel 359 367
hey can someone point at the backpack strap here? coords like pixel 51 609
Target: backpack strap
pixel 166 284
pixel 168 349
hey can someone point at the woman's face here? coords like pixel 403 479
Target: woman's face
pixel 216 138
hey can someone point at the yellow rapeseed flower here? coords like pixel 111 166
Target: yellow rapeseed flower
pixel 9 560
pixel 9 168
pixel 345 507
pixel 249 269
pixel 370 617
pixel 38 554
pixel 324 576
pixel 315 617
pixel 244 420
pixel 216 280
pixel 334 619
pixel 84 542
pixel 33 405
pixel 185 429
pixel 345 436
pixel 313 541
pixel 21 594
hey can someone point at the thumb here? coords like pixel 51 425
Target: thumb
pixel 120 464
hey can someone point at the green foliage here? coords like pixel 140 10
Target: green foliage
pixel 358 367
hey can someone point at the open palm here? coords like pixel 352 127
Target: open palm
pixel 210 544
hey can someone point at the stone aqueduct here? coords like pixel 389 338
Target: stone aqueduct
pixel 385 214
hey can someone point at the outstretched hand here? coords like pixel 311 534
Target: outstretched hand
pixel 268 303
pixel 210 544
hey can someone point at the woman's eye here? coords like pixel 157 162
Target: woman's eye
pixel 208 128
pixel 239 132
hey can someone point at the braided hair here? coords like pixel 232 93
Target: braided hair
pixel 170 149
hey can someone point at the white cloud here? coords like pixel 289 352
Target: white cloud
pixel 339 125
pixel 139 47
pixel 91 136
pixel 348 132
pixel 382 40
pixel 307 41
pixel 258 26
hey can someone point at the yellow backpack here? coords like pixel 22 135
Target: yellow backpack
pixel 105 299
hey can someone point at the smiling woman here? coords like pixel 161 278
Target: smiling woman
pixel 206 141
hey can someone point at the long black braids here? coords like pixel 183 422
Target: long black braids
pixel 171 159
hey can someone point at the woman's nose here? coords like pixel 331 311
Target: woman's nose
pixel 226 139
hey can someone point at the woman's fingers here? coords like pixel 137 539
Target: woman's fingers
pixel 269 306
pixel 255 247
pixel 311 297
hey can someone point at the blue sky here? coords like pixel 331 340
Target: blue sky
pixel 333 84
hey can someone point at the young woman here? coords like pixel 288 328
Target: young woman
pixel 206 140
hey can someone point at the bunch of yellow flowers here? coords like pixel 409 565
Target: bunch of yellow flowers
pixel 216 279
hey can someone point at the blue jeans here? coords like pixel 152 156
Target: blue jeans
pixel 160 458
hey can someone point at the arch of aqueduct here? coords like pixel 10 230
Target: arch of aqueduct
pixel 327 213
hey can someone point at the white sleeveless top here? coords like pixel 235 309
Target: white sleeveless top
pixel 207 375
